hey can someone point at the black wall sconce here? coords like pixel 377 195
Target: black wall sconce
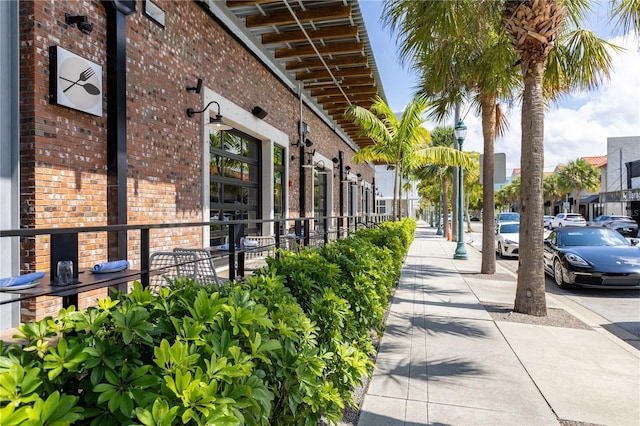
pixel 307 143
pixel 80 21
pixel 259 112
pixel 216 122
pixel 197 88
pixel 346 175
pixel 309 158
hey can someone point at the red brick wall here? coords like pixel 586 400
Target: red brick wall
pixel 63 151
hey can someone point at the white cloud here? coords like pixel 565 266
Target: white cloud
pixel 576 127
pixel 580 124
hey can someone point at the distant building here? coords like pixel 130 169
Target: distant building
pixel 384 194
pixel 620 193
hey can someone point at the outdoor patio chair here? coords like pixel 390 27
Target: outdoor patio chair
pixel 206 271
pixel 165 266
pixel 261 246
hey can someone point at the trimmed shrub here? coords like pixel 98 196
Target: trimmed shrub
pixel 285 347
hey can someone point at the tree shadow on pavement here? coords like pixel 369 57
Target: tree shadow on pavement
pixel 427 271
pixel 431 326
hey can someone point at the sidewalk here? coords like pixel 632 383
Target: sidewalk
pixel 443 360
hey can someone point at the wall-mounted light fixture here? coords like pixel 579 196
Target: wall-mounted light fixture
pixel 197 88
pixel 216 122
pixel 309 157
pixel 259 112
pixel 307 143
pixel 80 21
pixel 346 175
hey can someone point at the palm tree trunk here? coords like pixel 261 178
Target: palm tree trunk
pixel 466 211
pixel 445 207
pixel 395 185
pixel 400 191
pixel 488 265
pixel 530 293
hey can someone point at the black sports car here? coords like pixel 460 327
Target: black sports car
pixel 592 257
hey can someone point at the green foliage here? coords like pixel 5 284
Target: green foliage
pixel 285 347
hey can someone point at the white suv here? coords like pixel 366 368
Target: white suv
pixel 568 219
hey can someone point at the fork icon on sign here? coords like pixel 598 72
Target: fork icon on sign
pixel 84 76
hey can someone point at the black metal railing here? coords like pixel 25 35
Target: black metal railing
pixel 306 232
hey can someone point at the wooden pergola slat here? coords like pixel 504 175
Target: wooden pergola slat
pixel 323 74
pixel 339 61
pixel 326 33
pixel 285 18
pixel 351 90
pixel 327 49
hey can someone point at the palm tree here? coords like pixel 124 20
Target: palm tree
pixel 579 61
pixel 399 143
pixel 472 185
pixel 578 175
pixel 552 190
pixel 441 173
pixel 460 54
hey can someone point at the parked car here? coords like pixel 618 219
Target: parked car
pixel 507 217
pixel 623 224
pixel 568 219
pixel 449 219
pixel 592 257
pixel 507 239
pixel 547 221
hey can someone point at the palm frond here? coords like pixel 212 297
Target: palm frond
pixel 626 15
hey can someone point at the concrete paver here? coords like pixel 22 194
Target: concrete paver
pixel 444 361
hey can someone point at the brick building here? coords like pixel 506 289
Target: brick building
pixel 104 110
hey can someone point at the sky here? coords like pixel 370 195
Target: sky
pixel 576 126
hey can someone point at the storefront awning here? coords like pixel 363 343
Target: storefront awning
pixel 591 199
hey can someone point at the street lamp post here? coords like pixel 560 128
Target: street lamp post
pixel 460 132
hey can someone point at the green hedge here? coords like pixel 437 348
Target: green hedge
pixel 285 347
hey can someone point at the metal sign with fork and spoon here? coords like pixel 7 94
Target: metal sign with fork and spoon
pixel 78 81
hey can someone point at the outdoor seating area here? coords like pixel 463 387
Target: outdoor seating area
pixel 155 267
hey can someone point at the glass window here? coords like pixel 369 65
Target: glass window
pixel 319 196
pixel 234 179
pixel 279 186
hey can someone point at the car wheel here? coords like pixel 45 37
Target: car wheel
pixel 558 275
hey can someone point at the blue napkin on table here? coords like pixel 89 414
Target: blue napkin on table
pixel 108 266
pixel 21 279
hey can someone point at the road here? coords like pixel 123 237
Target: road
pixel 618 307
